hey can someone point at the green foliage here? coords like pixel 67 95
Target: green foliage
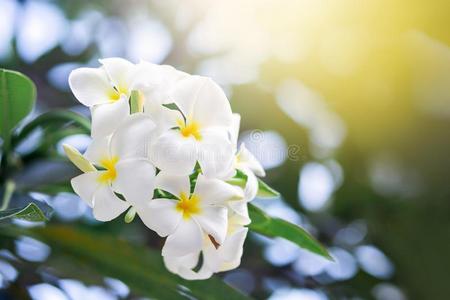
pixel 275 227
pixel 17 97
pixel 57 118
pixel 265 191
pixel 31 212
pixel 139 267
pixel 21 207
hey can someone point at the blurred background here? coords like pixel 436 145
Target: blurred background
pixel 346 103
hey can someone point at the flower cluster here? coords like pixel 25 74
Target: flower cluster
pixel 164 147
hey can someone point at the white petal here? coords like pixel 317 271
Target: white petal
pixel 119 71
pixel 214 191
pixel 239 212
pixel 186 239
pixel 173 184
pixel 107 117
pixel 157 77
pixel 160 215
pixel 147 74
pixel 85 186
pixel 212 107
pixel 203 100
pixel 247 160
pixel 174 154
pixel 131 139
pixel 215 153
pixel 228 256
pixel 234 130
pixel 252 185
pixel 184 94
pixel 98 150
pixel 163 117
pixel 189 261
pixel 107 205
pixel 135 180
pixel 90 86
pixel 232 250
pixel 213 221
pixel 183 267
pixel 189 274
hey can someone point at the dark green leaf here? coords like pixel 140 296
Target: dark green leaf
pixel 275 227
pixel 17 96
pixel 171 106
pixel 139 267
pixel 54 118
pixel 31 212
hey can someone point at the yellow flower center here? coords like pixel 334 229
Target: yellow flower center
pixel 188 206
pixel 189 128
pixel 110 173
pixel 115 93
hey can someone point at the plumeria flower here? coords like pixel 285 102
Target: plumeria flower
pixel 121 168
pixel 106 91
pixel 199 133
pixel 216 258
pixel 188 217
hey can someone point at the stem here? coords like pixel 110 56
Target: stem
pixel 49 117
pixel 10 186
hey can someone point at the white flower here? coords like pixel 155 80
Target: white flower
pixel 198 216
pixel 216 258
pixel 187 218
pixel 106 91
pixel 200 131
pixel 125 170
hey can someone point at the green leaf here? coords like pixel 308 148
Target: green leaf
pixel 31 213
pixel 19 206
pixel 56 118
pixel 17 97
pixel 141 268
pixel 265 191
pixel 275 227
pixel 171 106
